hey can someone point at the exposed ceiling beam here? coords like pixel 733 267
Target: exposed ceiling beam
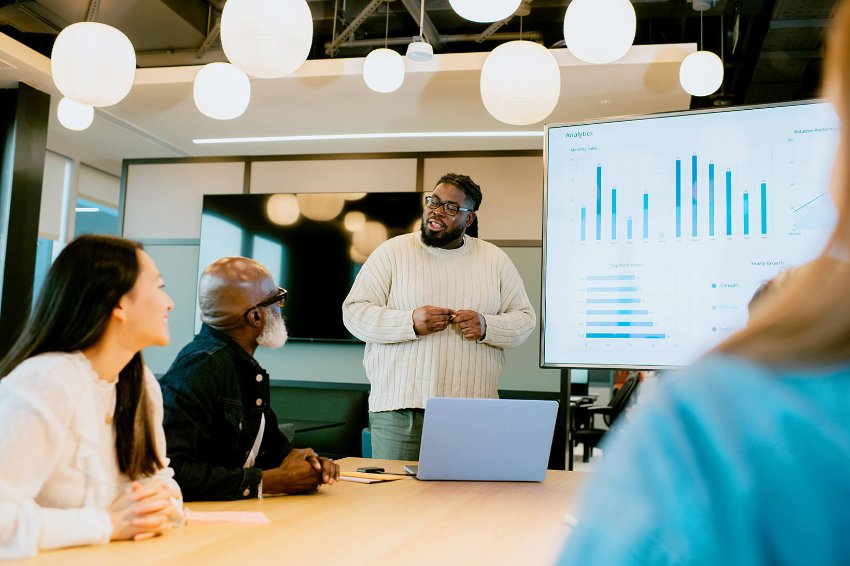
pixel 332 47
pixel 503 36
pixel 428 29
pixel 92 12
pixel 210 39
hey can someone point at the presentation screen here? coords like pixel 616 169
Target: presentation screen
pixel 658 229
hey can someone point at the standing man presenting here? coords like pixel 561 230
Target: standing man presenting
pixel 436 309
pixel 221 434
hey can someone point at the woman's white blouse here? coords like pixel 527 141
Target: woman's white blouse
pixel 58 468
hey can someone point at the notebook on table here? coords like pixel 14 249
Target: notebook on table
pixel 485 439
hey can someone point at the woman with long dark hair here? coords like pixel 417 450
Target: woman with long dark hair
pixel 745 458
pixel 82 451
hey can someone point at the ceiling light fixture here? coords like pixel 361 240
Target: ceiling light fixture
pixel 520 82
pixel 420 50
pixel 93 63
pixel 701 73
pixel 73 115
pixel 267 38
pixel 485 11
pixel 372 136
pixel 383 69
pixel 599 31
pixel 221 91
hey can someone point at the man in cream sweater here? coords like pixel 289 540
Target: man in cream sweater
pixel 436 309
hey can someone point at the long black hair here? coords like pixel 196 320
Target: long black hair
pixel 81 290
pixel 472 192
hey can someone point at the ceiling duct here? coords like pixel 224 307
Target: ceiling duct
pixel 31 17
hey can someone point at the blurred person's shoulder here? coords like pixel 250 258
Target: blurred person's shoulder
pixel 737 388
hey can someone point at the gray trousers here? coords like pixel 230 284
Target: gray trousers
pixel 396 435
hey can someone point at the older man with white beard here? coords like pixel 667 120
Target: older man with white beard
pixel 222 435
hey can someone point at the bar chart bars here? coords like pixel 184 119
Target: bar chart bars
pixel 613 214
pixel 616 311
pixel 711 200
pixel 618 210
pixel 694 202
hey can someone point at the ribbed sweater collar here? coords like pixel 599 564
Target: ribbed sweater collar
pixel 442 252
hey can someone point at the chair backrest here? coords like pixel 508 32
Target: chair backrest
pixel 621 398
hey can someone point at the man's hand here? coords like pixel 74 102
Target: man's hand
pixel 430 319
pixel 302 471
pixel 471 324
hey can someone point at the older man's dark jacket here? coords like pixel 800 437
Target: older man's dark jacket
pixel 214 394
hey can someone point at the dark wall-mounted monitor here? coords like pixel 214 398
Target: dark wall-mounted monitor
pixel 313 244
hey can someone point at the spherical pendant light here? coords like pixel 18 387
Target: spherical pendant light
pixel 221 91
pixel 485 11
pixel 93 64
pixel 73 115
pixel 599 31
pixel 383 70
pixel 520 83
pixel 267 38
pixel 701 73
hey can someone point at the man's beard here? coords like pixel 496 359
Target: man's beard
pixel 438 240
pixel 274 333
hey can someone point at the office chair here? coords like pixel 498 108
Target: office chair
pixel 581 429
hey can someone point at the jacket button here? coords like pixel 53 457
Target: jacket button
pixel 259 402
pixel 259 377
pixel 246 493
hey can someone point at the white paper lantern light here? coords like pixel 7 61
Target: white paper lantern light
pixel 599 31
pixel 267 38
pixel 93 64
pixel 73 115
pixel 485 11
pixel 383 70
pixel 221 91
pixel 520 83
pixel 701 73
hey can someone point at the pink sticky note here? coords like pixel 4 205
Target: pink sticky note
pixel 227 517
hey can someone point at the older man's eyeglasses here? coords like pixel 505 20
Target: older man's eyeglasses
pixel 450 208
pixel 279 299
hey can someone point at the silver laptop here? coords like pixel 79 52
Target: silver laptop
pixel 478 439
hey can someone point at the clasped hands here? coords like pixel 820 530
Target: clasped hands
pixel 147 508
pixel 428 319
pixel 301 471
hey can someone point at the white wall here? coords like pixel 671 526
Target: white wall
pixel 163 204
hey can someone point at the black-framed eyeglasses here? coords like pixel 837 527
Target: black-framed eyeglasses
pixel 450 208
pixel 279 299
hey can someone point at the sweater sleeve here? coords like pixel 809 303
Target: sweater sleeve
pixel 514 324
pixel 365 312
pixel 35 416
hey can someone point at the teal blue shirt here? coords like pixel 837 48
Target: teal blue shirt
pixel 729 463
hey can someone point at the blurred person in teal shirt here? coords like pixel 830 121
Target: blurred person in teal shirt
pixel 745 457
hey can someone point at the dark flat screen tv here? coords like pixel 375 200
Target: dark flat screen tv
pixel 313 244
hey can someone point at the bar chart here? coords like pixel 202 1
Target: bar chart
pixel 658 230
pixel 702 198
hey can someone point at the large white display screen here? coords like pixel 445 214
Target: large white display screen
pixel 658 230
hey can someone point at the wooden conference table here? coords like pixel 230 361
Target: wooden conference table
pixel 405 522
